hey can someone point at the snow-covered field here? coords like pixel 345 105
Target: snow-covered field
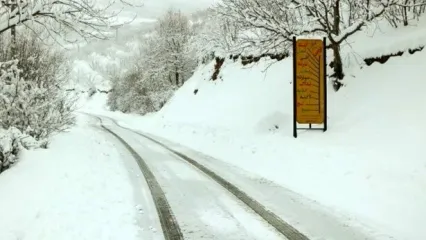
pixel 369 165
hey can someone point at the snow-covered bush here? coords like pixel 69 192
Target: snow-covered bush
pixel 127 96
pixel 9 147
pixel 11 143
pixel 32 97
pixel 133 93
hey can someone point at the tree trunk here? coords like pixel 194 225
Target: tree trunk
pixel 338 74
pixel 336 19
pixel 177 78
pixel 404 14
pixel 14 49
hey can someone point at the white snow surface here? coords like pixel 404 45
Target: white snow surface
pixel 369 166
pixel 82 187
pixel 203 208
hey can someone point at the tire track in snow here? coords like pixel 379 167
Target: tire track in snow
pixel 169 225
pixel 275 221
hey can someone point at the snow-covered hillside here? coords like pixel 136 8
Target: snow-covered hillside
pixel 369 165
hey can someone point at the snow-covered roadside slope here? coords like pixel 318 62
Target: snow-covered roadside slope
pixel 370 165
pixel 79 188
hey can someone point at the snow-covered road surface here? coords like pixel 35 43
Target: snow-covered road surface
pixel 311 218
pixel 203 208
pixel 206 210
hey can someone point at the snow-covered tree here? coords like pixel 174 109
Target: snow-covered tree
pixel 25 114
pixel 32 93
pixel 173 33
pixel 278 21
pixel 214 35
pixel 33 100
pixel 164 62
pixel 86 18
pixel 405 13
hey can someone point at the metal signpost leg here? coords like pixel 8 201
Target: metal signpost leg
pixel 325 83
pixel 294 90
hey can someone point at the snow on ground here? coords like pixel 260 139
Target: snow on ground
pixel 203 208
pixel 370 165
pixel 95 103
pixel 79 188
pixel 387 40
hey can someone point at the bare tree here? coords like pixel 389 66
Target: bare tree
pixel 86 18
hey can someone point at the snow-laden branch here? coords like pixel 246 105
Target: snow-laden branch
pixel 87 18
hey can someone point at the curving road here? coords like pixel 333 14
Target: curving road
pixel 192 201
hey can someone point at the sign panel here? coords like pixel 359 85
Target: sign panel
pixel 310 81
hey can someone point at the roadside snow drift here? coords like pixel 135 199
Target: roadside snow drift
pixel 370 165
pixel 79 188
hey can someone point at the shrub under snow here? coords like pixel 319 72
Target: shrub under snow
pixel 11 142
pixel 33 102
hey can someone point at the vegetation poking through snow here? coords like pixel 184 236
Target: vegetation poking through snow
pixel 384 58
pixel 217 66
pixel 253 59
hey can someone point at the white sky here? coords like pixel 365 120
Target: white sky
pixel 155 8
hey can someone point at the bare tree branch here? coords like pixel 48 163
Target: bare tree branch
pixel 86 18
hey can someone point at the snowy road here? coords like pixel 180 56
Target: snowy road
pixel 206 206
pixel 203 208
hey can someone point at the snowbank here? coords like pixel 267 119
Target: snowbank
pixel 370 165
pixel 79 188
